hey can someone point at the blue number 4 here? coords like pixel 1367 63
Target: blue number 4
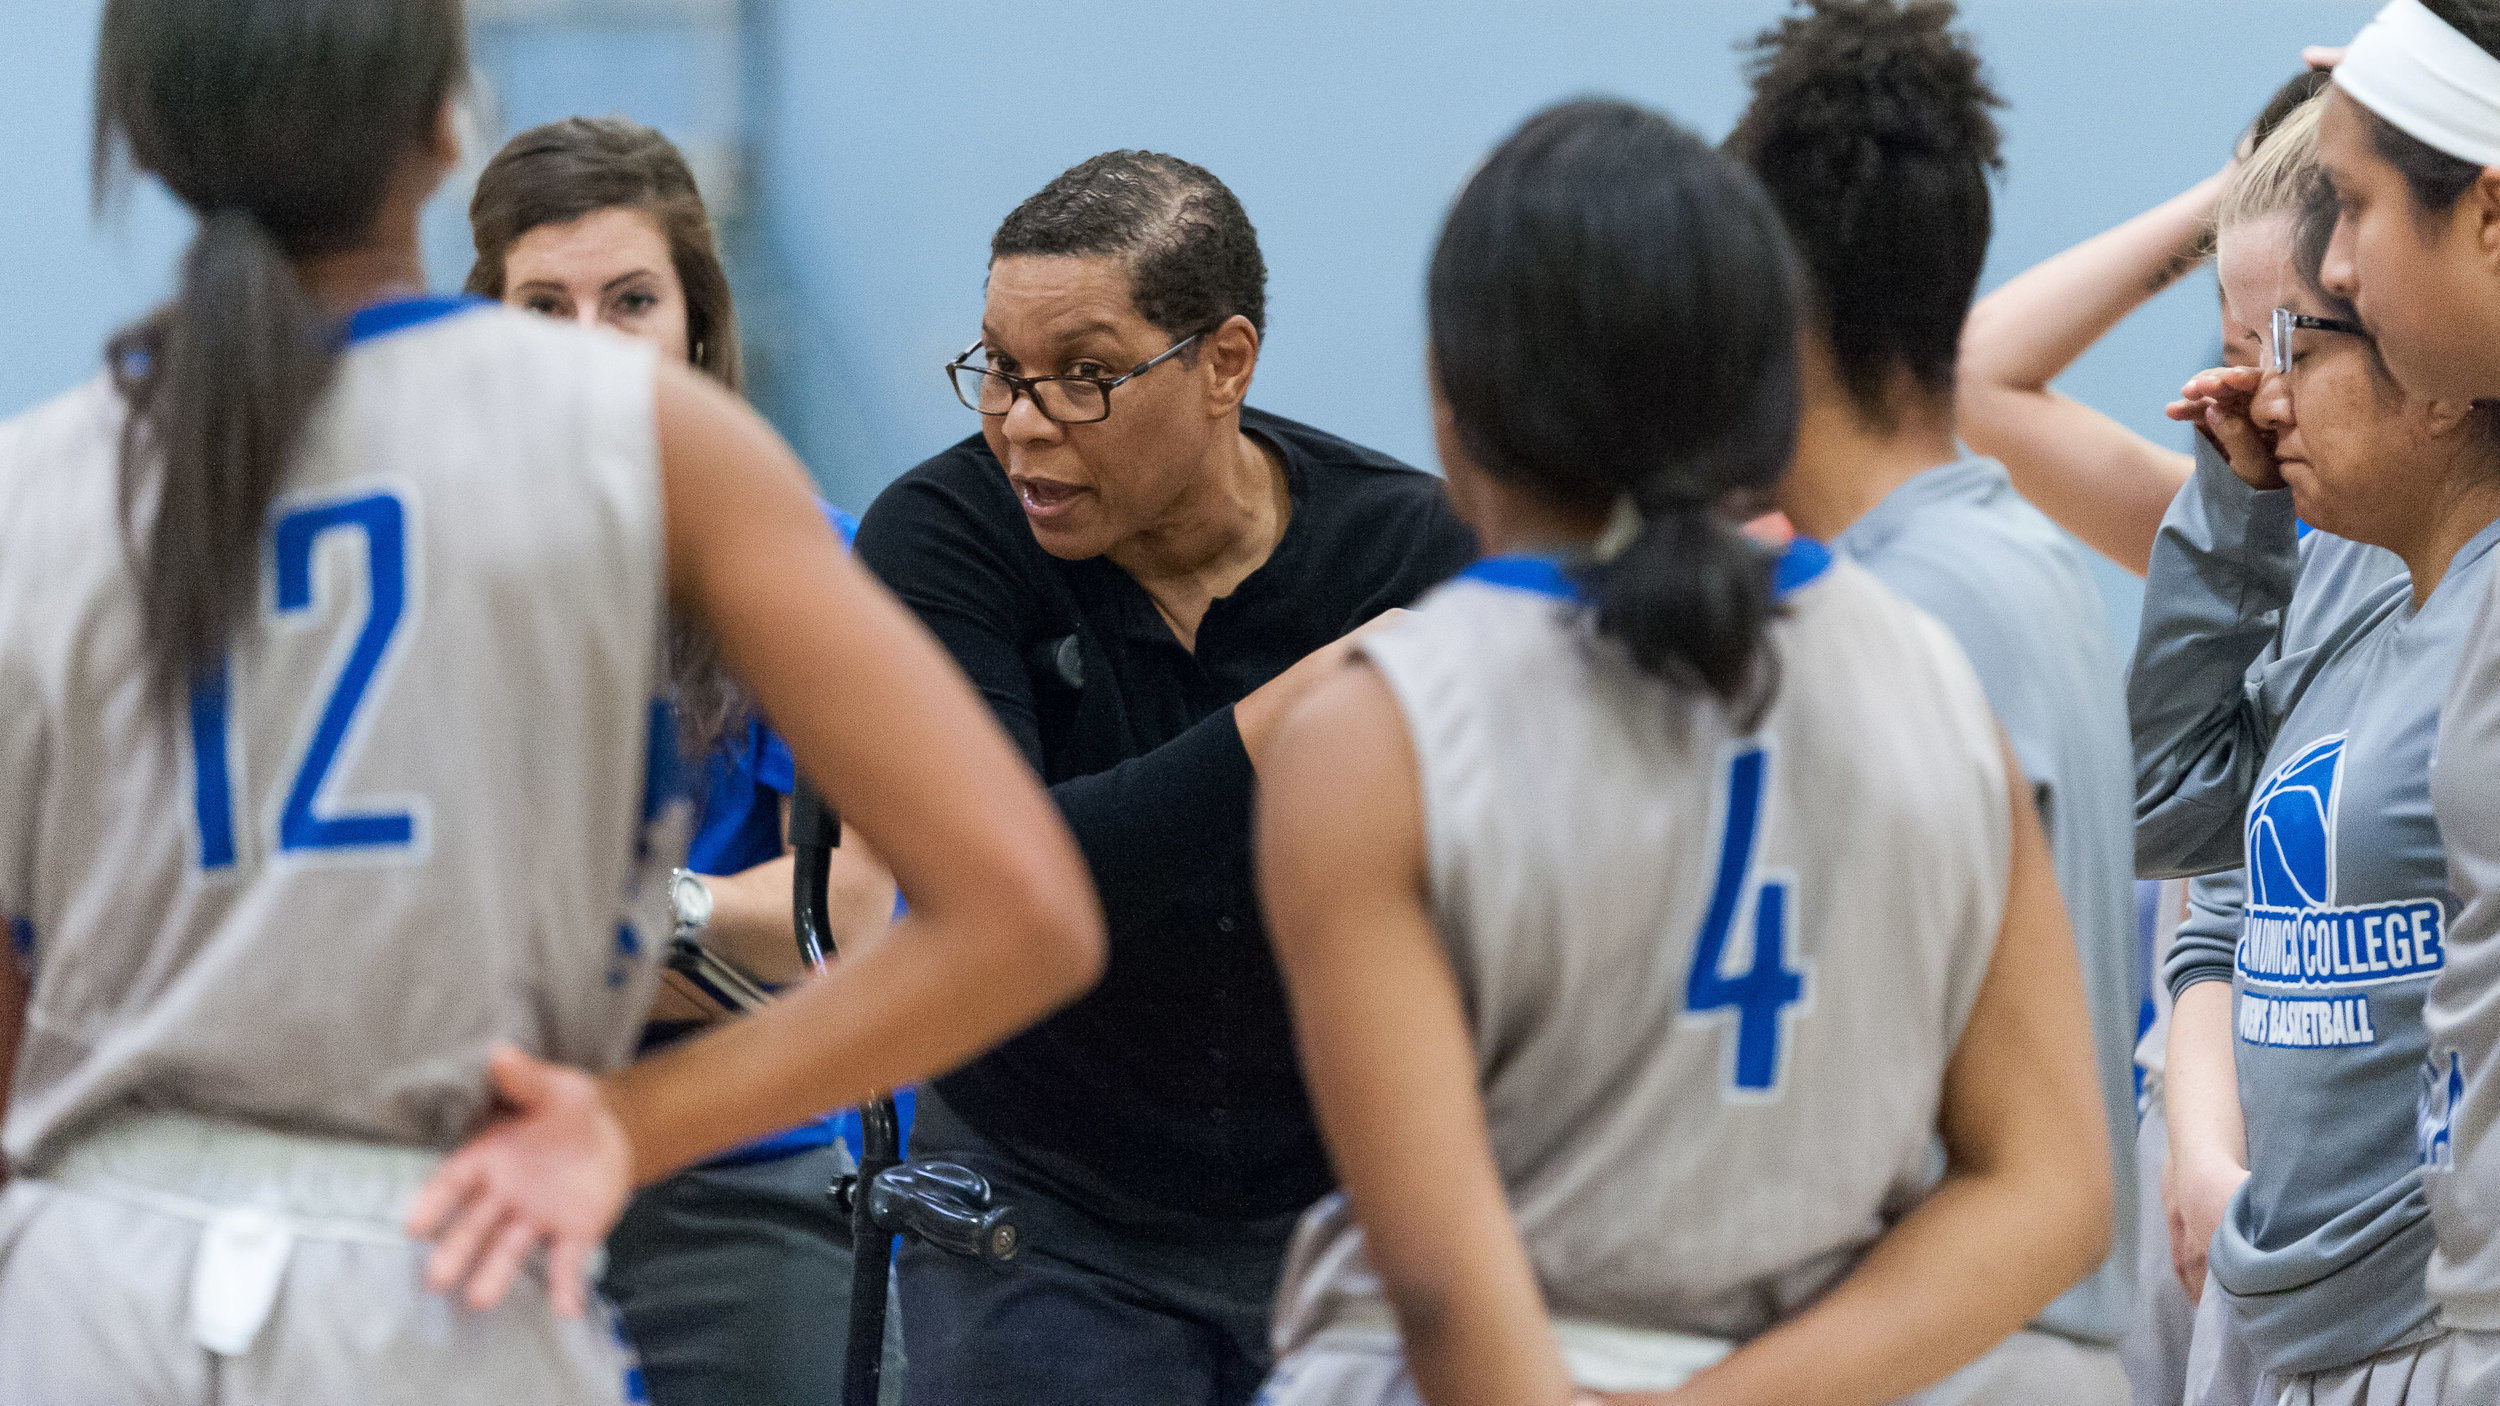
pixel 383 520
pixel 1761 994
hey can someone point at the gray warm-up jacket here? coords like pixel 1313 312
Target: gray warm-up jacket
pixel 2308 759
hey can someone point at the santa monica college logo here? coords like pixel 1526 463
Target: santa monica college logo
pixel 2295 937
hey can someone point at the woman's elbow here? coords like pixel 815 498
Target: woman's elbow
pixel 1062 936
pixel 2074 1203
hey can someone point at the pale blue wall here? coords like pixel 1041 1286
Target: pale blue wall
pixel 889 140
pixel 897 137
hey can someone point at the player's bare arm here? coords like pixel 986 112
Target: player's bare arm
pixel 1384 1043
pixel 1004 926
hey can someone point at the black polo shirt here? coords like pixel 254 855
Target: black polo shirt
pixel 1175 1079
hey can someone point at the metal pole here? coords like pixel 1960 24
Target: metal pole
pixel 815 831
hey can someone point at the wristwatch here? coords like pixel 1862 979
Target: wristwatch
pixel 692 898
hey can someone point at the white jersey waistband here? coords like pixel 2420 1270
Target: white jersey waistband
pixel 1599 1356
pixel 255 1193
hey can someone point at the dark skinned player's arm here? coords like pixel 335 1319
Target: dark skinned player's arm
pixel 1385 1047
pixel 1004 926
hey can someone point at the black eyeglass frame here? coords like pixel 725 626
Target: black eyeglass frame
pixel 2285 322
pixel 1023 385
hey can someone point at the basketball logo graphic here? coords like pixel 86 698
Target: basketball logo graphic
pixel 2435 1115
pixel 2291 830
pixel 2295 938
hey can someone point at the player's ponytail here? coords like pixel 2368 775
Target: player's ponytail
pixel 280 123
pixel 1613 309
pixel 1689 595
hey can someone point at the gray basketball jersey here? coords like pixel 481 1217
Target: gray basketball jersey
pixel 2313 770
pixel 2459 1101
pixel 1959 543
pixel 1713 974
pixel 419 810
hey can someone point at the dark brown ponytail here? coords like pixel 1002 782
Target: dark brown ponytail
pixel 1613 321
pixel 279 123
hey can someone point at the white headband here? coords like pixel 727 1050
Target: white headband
pixel 2430 82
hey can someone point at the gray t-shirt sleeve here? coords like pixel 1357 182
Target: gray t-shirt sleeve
pixel 2223 569
pixel 2209 935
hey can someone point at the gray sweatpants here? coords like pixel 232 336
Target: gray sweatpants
pixel 2422 1374
pixel 2472 1375
pixel 2160 1335
pixel 2027 1369
pixel 734 1282
pixel 118 1263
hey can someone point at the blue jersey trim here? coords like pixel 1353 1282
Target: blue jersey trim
pixel 1520 572
pixel 1801 563
pixel 382 319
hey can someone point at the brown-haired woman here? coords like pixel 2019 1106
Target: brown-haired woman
pixel 731 1276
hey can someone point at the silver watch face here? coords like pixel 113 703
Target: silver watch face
pixel 692 899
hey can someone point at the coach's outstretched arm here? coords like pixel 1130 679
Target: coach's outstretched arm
pixel 1004 926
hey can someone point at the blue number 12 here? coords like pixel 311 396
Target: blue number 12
pixel 383 519
pixel 1762 993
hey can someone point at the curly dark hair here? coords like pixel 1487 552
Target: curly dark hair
pixel 1871 127
pixel 1192 255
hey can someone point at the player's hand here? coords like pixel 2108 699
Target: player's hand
pixel 2219 402
pixel 2195 1196
pixel 2323 56
pixel 552 1170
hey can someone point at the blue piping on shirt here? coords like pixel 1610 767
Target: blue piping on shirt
pixel 1800 563
pixel 400 314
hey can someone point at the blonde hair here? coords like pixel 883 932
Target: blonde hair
pixel 2277 177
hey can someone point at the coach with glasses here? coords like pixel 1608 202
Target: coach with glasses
pixel 1142 575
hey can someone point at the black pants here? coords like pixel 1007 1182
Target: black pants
pixel 735 1285
pixel 1113 1301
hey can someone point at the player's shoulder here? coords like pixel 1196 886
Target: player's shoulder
pixel 1962 526
pixel 61 456
pixel 494 347
pixel 1852 632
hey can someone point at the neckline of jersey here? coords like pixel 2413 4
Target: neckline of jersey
pixel 399 314
pixel 1552 573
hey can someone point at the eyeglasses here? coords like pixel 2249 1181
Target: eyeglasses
pixel 1066 400
pixel 2286 322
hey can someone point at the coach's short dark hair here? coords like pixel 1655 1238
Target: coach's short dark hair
pixel 1871 124
pixel 1193 258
